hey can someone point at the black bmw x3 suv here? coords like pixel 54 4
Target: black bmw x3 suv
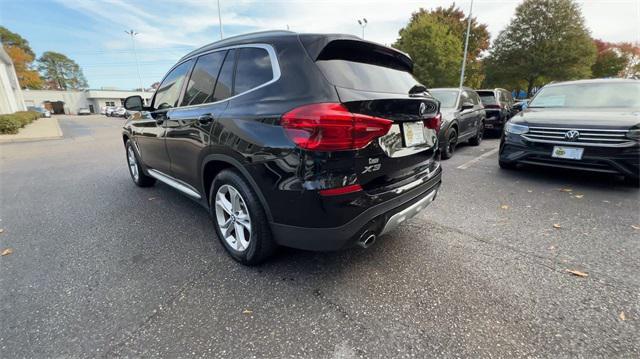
pixel 311 141
pixel 588 125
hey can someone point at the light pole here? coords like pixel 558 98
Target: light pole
pixel 363 23
pixel 135 54
pixel 466 47
pixel 220 20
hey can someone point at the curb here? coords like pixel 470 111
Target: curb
pixel 58 135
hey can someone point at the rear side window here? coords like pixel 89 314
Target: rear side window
pixel 168 92
pixel 224 86
pixel 253 69
pixel 203 79
pixel 363 66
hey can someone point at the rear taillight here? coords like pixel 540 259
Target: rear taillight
pixel 341 190
pixel 434 123
pixel 331 127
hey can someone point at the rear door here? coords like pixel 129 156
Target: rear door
pixel 188 126
pixel 377 81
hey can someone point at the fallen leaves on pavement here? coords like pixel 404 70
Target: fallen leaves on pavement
pixel 565 190
pixel 579 196
pixel 247 311
pixel 504 206
pixel 1 230
pixel 152 198
pixel 635 227
pixel 577 273
pixel 622 316
pixel 557 226
pixel 6 252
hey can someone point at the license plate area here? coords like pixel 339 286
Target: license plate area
pixel 571 153
pixel 413 133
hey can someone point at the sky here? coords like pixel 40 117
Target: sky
pixel 92 32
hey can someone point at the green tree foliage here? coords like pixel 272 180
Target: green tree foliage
pixel 60 72
pixel 435 42
pixel 22 57
pixel 9 38
pixel 609 61
pixel 546 40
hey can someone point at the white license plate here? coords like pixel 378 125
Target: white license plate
pixel 413 133
pixel 572 153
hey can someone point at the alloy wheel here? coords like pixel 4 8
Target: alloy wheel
pixel 233 218
pixel 133 163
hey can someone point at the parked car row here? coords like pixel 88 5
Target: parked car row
pixel 41 110
pixel 114 111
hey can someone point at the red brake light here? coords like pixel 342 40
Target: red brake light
pixel 331 127
pixel 341 190
pixel 434 123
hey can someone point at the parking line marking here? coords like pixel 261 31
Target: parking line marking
pixel 468 164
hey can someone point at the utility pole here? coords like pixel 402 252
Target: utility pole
pixel 135 55
pixel 220 20
pixel 466 47
pixel 363 24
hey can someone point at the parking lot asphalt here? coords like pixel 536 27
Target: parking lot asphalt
pixel 102 268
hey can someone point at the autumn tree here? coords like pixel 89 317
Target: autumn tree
pixel 22 57
pixel 546 40
pixel 609 61
pixel 61 72
pixel 435 41
pixel 631 52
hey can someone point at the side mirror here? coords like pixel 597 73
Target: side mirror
pixel 467 106
pixel 134 103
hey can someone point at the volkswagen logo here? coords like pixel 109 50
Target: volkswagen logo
pixel 423 109
pixel 572 135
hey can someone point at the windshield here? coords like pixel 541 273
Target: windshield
pixel 447 98
pixel 590 95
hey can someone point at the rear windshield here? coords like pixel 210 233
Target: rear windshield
pixel 362 66
pixel 487 98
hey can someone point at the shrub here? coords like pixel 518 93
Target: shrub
pixel 10 124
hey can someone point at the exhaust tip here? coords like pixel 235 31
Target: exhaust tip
pixel 367 240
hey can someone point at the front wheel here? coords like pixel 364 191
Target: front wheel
pixel 135 169
pixel 240 221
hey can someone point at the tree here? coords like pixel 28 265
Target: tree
pixel 609 62
pixel 22 57
pixel 631 53
pixel 478 40
pixel 434 49
pixel 60 72
pixel 547 40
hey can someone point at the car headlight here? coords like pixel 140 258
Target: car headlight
pixel 515 129
pixel 634 133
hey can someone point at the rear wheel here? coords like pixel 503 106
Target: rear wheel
pixel 240 221
pixel 135 169
pixel 475 141
pixel 450 144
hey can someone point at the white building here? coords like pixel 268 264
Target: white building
pixel 10 94
pixel 69 102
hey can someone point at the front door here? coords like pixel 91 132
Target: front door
pixel 149 132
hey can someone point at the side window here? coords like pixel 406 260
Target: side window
pixel 225 79
pixel 168 92
pixel 253 69
pixel 464 97
pixel 474 97
pixel 203 79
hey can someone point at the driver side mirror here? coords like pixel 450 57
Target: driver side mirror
pixel 134 103
pixel 467 105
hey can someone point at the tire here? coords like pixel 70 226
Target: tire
pixel 475 141
pixel 135 169
pixel 247 217
pixel 507 165
pixel 450 143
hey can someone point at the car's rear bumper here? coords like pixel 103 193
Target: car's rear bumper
pixel 494 120
pixel 379 219
pixel 621 161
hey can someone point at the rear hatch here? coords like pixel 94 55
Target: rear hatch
pixel 377 81
pixel 490 103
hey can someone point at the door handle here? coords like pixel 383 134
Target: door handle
pixel 205 119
